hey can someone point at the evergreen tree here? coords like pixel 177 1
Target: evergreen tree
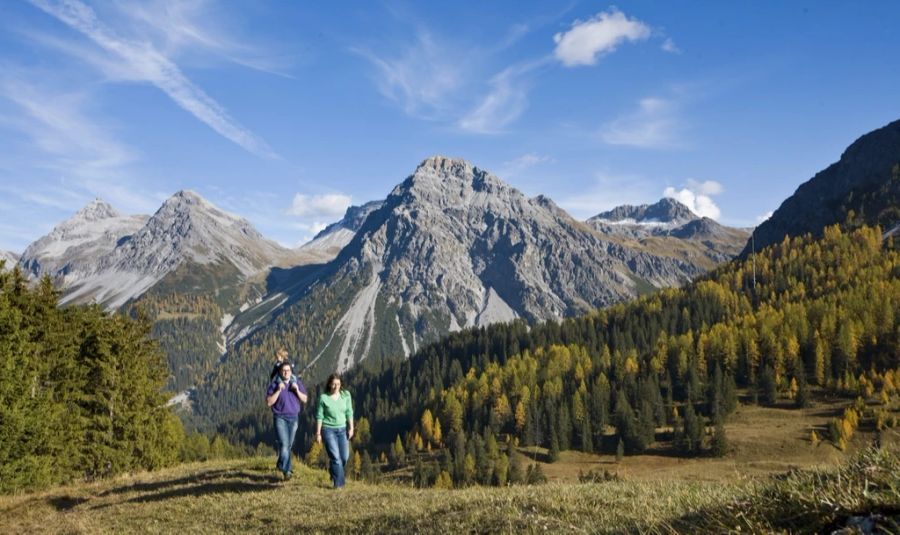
pixel 801 399
pixel 719 444
pixel 516 471
pixel 768 386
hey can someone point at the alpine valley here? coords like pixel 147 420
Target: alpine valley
pixel 451 247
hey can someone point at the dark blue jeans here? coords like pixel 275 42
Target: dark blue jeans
pixel 285 430
pixel 338 448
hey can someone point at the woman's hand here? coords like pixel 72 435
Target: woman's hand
pixel 319 438
pixel 350 434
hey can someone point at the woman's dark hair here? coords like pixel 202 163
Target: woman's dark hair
pixel 330 380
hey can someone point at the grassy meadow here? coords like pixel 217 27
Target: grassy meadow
pixel 773 479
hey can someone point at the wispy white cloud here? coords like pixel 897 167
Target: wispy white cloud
pixel 141 60
pixel 319 206
pixel 654 125
pixel 764 217
pixel 506 100
pixel 58 125
pixel 77 156
pixel 519 165
pixel 422 79
pixel 670 46
pixel 60 199
pixel 502 105
pixel 706 187
pixel 586 41
pixel 189 26
pixel 697 196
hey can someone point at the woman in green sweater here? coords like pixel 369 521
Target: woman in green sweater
pixel 334 424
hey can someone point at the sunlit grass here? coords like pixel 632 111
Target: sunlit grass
pixel 248 496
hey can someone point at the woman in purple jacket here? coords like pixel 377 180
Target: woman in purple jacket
pixel 284 396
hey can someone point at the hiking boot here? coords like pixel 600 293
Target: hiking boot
pixel 288 476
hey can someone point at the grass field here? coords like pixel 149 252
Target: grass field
pixel 246 496
pixel 762 441
pixel 817 488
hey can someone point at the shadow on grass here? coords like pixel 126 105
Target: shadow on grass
pixel 196 479
pixel 206 488
pixel 225 486
pixel 65 503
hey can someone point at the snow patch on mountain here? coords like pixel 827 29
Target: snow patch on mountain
pixel 631 221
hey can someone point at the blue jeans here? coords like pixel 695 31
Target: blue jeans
pixel 285 430
pixel 338 448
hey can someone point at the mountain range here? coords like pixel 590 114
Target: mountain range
pixel 451 247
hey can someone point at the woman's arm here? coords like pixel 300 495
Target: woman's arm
pixel 320 415
pixel 349 417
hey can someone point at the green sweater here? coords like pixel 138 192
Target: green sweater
pixel 334 412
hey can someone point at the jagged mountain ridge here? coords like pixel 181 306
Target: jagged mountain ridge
pixel 451 247
pixel 866 180
pixel 337 235
pixel 72 249
pixel 191 266
pixel 667 219
pixel 99 255
pixel 667 213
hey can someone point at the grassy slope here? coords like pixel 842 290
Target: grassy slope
pixel 246 496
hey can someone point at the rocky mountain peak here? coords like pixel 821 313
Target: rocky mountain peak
pixel 666 210
pixel 336 235
pixel 445 179
pixel 96 210
pixel 187 200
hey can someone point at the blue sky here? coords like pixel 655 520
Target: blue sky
pixel 286 112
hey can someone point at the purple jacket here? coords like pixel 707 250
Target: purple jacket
pixel 288 404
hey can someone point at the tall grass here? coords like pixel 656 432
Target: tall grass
pixel 246 496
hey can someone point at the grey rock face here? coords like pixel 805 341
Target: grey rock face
pixel 72 249
pixel 187 227
pixel 453 246
pixel 335 236
pixel 674 227
pixel 100 255
pixel 665 212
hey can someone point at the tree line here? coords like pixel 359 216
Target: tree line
pixel 663 368
pixel 81 393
